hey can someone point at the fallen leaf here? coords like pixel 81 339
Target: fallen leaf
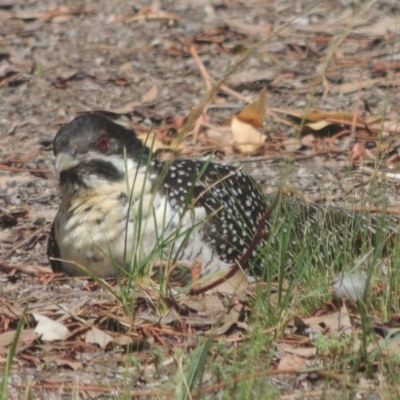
pixel 291 361
pixel 380 28
pixel 124 340
pixel 254 113
pixel 96 336
pixel 291 144
pixel 338 116
pixel 318 125
pixel 151 95
pixel 350 87
pixel 246 138
pixel 246 78
pixel 231 318
pixel 236 283
pixel 48 329
pixel 6 338
pixel 308 140
pixel 335 323
pixel 226 281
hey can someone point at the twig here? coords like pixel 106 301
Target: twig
pixel 28 270
pixel 236 94
pixel 202 68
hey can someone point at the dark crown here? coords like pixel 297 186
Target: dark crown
pixel 85 132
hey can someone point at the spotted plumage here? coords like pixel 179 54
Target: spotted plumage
pixel 122 207
pixel 115 209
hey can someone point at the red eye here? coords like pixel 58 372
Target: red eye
pixel 104 143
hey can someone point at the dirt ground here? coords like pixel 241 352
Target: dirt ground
pixel 57 61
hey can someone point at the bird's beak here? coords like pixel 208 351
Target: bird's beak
pixel 64 162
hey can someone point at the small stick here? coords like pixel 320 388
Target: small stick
pixel 202 68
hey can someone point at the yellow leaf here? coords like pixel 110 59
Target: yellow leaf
pixel 254 113
pixel 246 138
pixel 317 126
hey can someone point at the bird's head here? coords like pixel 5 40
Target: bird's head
pixel 90 152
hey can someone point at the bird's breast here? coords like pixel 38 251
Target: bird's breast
pixel 107 233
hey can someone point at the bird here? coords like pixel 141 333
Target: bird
pixel 122 207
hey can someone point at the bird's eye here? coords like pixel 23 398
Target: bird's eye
pixel 104 143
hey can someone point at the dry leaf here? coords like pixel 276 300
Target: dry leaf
pixel 236 283
pixel 291 144
pixel 291 361
pixel 123 340
pixel 318 125
pixel 221 282
pixel 246 78
pixel 324 115
pixel 48 329
pixel 230 319
pixel 96 336
pixel 350 87
pixel 151 95
pixel 308 140
pixel 7 338
pixel 246 138
pixel 254 113
pixel 338 322
pixel 380 28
